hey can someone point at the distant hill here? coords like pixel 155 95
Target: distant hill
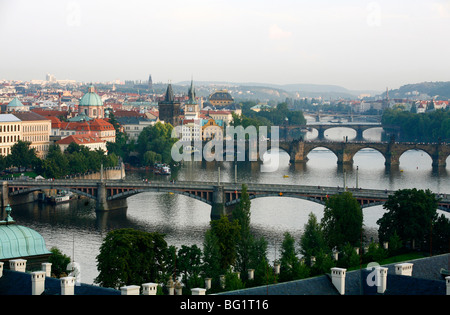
pixel 426 90
pixel 267 91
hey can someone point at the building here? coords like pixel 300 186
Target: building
pixel 10 132
pixel 191 107
pixel 36 129
pixel 18 242
pixel 224 115
pixel 98 128
pixel 133 125
pixel 212 129
pixel 91 104
pixel 169 108
pixel 89 141
pixel 191 130
pixel 221 98
pixel 16 106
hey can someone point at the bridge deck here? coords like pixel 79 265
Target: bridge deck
pixel 204 190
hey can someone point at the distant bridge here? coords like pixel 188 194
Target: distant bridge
pixel 291 132
pixel 112 194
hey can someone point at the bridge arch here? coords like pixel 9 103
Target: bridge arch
pixel 321 146
pixel 403 154
pixel 129 193
pixel 42 188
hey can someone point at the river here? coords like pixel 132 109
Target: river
pixel 78 231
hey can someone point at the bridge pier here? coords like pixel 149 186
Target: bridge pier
pixel 218 207
pixel 4 196
pixel 102 202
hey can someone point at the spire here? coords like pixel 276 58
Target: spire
pixel 191 93
pixel 169 94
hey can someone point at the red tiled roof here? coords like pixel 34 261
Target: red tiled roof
pixel 80 139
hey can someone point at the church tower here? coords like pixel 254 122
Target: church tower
pixel 169 108
pixel 191 108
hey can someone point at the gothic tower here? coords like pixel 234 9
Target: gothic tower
pixel 169 108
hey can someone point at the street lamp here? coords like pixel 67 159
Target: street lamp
pixel 357 168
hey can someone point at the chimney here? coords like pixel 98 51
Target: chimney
pixel 170 287
pixel 149 288
pixel 404 269
pixel 1 269
pixel 18 265
pixel 338 279
pixel 67 286
pixel 198 291
pixel 447 281
pixel 47 267
pixel 208 283
pixel 251 274
pixel 130 290
pixel 382 279
pixel 37 282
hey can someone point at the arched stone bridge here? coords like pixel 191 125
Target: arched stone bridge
pixel 112 194
pixel 291 132
pixel 345 151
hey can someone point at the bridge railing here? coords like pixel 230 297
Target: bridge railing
pixel 253 187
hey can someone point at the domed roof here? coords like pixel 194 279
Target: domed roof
pixel 91 98
pixel 19 241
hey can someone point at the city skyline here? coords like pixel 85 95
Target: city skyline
pixel 359 45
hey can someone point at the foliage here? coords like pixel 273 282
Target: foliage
pixel 211 255
pixel 227 233
pixel 157 139
pixel 129 256
pixel 242 214
pixel 189 263
pixel 312 240
pixel 291 268
pixel 410 213
pixel 22 155
pixel 426 127
pixel 59 262
pixel 348 257
pixel 375 253
pixel 342 221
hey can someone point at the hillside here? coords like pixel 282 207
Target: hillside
pixel 426 90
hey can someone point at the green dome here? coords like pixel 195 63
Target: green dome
pixel 91 98
pixel 19 241
pixel 15 103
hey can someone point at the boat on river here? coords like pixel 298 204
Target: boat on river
pixel 162 169
pixel 61 197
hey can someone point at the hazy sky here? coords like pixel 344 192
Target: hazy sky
pixel 356 44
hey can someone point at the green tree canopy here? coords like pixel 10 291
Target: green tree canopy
pixel 342 221
pixel 157 139
pixel 410 213
pixel 129 256
pixel 312 240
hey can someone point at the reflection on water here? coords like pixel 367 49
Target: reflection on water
pixel 77 230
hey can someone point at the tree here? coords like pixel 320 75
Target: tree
pixel 22 154
pixel 189 262
pixel 211 257
pixel 312 240
pixel 290 266
pixel 411 214
pixel 59 262
pixel 342 221
pixel 158 139
pixel 242 214
pixel 129 256
pixel 227 233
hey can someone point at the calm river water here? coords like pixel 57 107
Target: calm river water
pixel 78 231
